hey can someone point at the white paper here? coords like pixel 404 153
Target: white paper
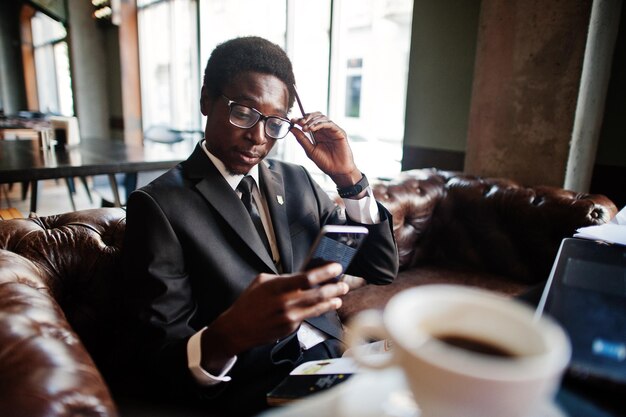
pixel 327 367
pixel 375 351
pixel 612 232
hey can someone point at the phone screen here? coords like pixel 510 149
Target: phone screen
pixel 336 244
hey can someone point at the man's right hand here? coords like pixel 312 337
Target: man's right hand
pixel 272 307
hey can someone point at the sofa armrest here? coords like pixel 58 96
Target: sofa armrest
pixel 44 368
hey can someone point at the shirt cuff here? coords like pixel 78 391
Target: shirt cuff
pixel 363 210
pixel 194 357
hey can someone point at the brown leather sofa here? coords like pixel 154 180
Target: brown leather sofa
pixel 59 275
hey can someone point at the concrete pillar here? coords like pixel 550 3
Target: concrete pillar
pixel 603 28
pixel 527 73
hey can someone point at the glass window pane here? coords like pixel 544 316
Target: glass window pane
pixel 46 79
pixel 52 66
pixel 369 71
pixel 64 79
pixel 353 96
pixel 154 54
pixel 46 30
pixel 169 64
pixel 308 46
pixel 226 19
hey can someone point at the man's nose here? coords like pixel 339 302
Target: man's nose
pixel 256 133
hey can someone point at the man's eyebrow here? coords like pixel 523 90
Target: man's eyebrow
pixel 250 101
pixel 275 111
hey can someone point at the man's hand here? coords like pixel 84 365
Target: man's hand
pixel 331 152
pixel 272 307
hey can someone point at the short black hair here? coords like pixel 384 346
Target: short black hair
pixel 247 54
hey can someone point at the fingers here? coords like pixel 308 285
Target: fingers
pixel 319 294
pixel 299 314
pixel 310 119
pixel 316 301
pixel 321 274
pixel 303 291
pixel 314 122
pixel 303 280
pixel 303 140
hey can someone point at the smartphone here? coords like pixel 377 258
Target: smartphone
pixel 310 134
pixel 335 244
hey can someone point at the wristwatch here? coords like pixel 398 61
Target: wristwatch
pixel 354 190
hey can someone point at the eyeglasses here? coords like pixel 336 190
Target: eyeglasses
pixel 246 117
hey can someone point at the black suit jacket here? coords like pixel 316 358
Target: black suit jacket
pixel 190 250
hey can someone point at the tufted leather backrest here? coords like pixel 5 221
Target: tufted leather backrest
pixel 77 257
pixel 486 224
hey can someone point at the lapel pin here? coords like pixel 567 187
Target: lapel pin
pixel 280 200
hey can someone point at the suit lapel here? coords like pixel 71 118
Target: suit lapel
pixel 218 193
pixel 274 189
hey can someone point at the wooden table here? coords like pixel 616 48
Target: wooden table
pixel 25 161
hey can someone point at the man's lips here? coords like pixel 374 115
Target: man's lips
pixel 248 156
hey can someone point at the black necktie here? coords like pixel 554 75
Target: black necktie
pixel 245 187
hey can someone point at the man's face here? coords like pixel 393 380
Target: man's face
pixel 241 149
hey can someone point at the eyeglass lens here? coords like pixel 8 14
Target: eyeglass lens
pixel 246 117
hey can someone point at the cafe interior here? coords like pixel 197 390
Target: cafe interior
pixel 486 126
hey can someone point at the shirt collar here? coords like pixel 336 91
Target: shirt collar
pixel 232 179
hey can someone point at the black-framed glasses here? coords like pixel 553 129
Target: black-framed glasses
pixel 246 117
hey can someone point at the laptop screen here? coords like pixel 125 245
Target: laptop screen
pixel 586 294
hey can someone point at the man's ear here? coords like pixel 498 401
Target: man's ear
pixel 205 101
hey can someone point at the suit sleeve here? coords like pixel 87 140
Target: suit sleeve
pixel 158 299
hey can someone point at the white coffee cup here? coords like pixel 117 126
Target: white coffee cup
pixel 449 381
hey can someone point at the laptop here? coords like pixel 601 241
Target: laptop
pixel 586 294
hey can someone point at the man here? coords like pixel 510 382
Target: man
pixel 220 316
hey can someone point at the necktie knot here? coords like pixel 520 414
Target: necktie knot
pixel 246 184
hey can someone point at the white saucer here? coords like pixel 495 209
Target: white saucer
pixel 369 394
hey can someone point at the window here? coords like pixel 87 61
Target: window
pixel 52 66
pixel 221 20
pixel 354 70
pixel 369 70
pixel 168 53
pixel 353 88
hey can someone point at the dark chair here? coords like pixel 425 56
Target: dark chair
pixel 163 134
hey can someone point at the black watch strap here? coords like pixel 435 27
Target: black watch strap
pixel 354 190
